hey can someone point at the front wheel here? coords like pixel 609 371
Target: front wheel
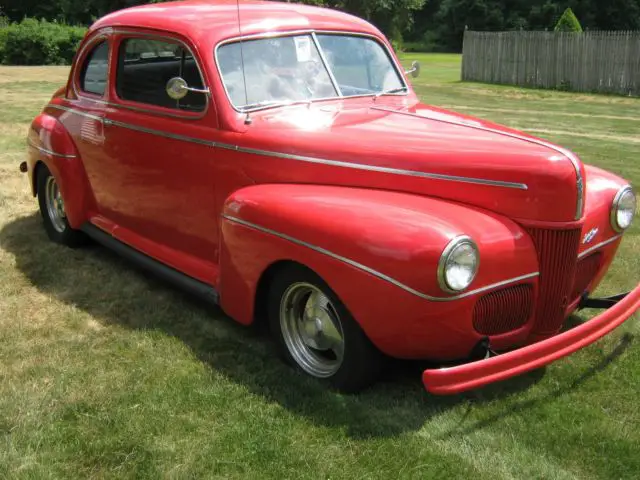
pixel 317 334
pixel 53 213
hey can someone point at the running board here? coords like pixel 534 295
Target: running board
pixel 184 282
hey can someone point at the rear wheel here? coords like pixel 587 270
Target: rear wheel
pixel 53 213
pixel 317 334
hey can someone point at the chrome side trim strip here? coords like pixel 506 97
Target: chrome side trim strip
pixel 301 158
pixel 375 273
pixel 376 168
pixel 563 151
pixel 76 111
pixel 49 152
pixel 598 246
pixel 160 133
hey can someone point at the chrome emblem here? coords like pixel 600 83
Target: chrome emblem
pixel 589 236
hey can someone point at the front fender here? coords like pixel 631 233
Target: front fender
pixel 50 143
pixel 378 250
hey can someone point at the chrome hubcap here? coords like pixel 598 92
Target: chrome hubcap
pixel 55 205
pixel 312 330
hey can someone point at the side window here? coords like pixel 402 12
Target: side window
pixel 93 77
pixel 144 68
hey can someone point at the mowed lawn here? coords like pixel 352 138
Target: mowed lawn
pixel 106 372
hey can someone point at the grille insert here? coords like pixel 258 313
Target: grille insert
pixel 557 252
pixel 503 311
pixel 585 272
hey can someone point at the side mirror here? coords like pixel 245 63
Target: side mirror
pixel 415 70
pixel 178 88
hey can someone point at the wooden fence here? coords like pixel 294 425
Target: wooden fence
pixel 607 62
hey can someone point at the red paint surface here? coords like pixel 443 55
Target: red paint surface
pixel 448 381
pixel 165 196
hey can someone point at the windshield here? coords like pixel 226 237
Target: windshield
pixel 291 69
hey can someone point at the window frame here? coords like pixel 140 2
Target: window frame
pixel 122 35
pixel 80 63
pixel 312 33
pixel 84 67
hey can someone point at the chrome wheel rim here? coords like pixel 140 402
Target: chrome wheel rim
pixel 312 330
pixel 55 205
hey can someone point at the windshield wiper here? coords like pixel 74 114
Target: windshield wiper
pixel 272 103
pixel 253 106
pixel 391 91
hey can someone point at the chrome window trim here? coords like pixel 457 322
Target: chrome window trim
pixel 153 111
pixel 301 158
pixel 375 273
pixel 149 111
pixel 598 246
pixel 99 37
pixel 312 32
pixel 442 263
pixel 323 58
pixel 47 151
pixel 613 214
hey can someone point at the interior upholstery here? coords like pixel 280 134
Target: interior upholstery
pixel 145 81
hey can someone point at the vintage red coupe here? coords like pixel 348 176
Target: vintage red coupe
pixel 274 159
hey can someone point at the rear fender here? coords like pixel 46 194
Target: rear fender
pixel 50 143
pixel 378 251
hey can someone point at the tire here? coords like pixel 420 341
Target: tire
pixel 330 345
pixel 52 211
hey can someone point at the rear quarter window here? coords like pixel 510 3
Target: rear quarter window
pixel 95 70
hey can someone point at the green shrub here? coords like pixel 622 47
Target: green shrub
pixel 568 22
pixel 38 42
pixel 397 46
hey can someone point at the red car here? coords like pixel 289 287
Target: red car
pixel 274 159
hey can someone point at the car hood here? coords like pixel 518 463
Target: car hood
pixel 423 150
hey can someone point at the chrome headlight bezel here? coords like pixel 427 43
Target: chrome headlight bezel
pixel 456 245
pixel 623 194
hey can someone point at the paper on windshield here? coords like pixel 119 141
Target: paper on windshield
pixel 303 48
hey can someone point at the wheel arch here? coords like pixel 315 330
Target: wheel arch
pixel 261 297
pixel 34 177
pixel 51 145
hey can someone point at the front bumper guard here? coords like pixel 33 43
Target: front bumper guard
pixel 452 380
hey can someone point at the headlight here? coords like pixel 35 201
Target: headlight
pixel 623 209
pixel 458 265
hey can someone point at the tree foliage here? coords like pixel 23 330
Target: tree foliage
pixel 568 22
pixel 38 42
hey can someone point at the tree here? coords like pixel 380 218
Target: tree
pixel 568 22
pixel 394 17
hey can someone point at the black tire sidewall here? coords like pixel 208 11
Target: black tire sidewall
pixel 362 360
pixel 69 236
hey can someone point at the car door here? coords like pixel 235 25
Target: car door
pixel 160 170
pixel 83 112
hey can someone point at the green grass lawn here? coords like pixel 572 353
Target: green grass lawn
pixel 106 372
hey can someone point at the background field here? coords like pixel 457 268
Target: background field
pixel 105 372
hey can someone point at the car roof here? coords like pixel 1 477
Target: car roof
pixel 216 20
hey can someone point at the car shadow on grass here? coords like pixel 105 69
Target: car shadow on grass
pixel 112 291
